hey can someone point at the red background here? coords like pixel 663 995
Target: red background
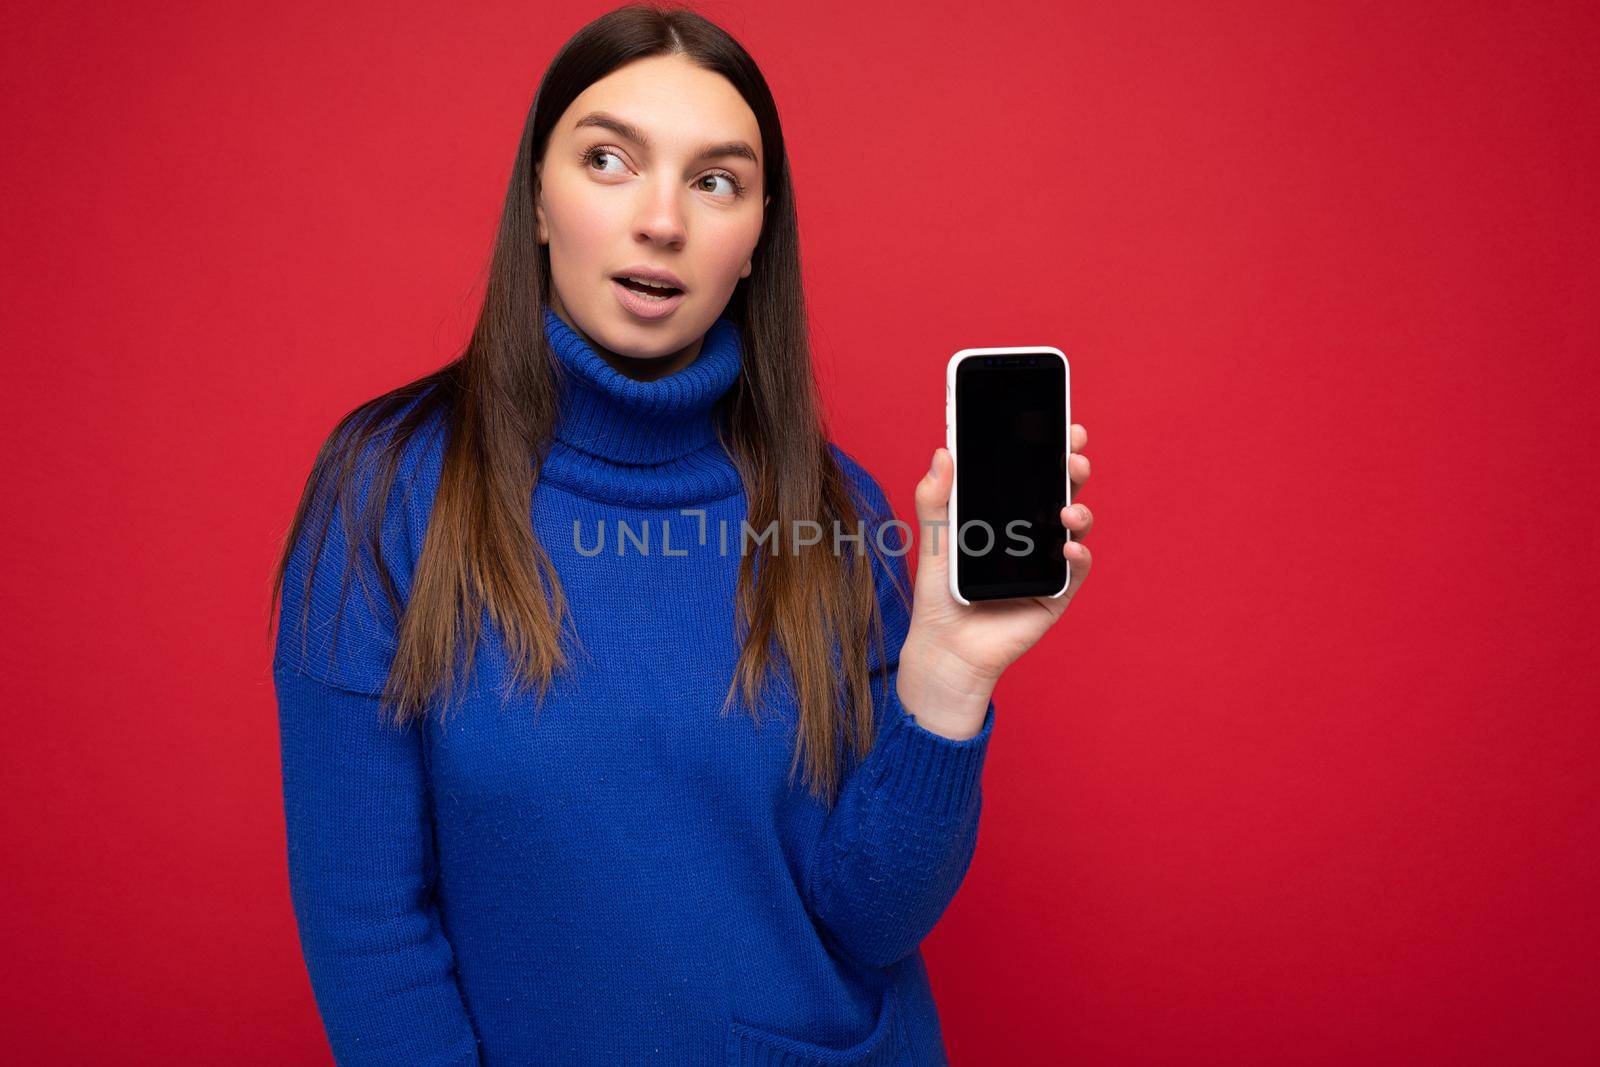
pixel 1307 772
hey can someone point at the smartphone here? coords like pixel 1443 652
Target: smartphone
pixel 1007 421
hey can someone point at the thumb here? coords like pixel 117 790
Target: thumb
pixel 933 519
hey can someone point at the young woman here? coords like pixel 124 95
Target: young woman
pixel 547 663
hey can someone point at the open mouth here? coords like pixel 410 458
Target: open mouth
pixel 647 290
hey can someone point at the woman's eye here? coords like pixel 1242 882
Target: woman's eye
pixel 734 188
pixel 595 153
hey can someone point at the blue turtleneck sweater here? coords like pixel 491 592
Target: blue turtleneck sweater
pixel 626 876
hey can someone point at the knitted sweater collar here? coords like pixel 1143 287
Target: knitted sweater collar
pixel 644 443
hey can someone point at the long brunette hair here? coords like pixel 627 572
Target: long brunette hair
pixel 498 403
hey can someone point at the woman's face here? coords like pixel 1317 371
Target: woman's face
pixel 627 183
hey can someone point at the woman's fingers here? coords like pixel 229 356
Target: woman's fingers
pixel 1077 518
pixel 1078 562
pixel 933 517
pixel 1077 463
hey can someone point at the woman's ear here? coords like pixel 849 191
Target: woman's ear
pixel 748 263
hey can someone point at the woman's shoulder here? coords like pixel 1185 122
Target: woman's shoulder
pixel 864 487
pixel 408 425
pixel 391 445
pixel 358 537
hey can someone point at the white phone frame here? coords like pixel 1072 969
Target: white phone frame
pixel 953 553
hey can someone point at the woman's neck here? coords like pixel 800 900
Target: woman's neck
pixel 652 443
pixel 635 367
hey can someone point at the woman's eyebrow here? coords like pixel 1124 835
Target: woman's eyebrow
pixel 632 133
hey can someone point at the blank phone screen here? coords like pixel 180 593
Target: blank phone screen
pixel 1011 475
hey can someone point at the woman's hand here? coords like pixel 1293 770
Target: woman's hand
pixel 954 653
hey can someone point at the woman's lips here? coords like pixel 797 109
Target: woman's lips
pixel 645 307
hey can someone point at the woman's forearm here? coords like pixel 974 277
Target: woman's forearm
pixel 945 695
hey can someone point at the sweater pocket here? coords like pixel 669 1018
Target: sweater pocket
pixel 751 1046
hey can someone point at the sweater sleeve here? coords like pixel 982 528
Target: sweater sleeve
pixel 361 876
pixel 359 824
pixel 902 833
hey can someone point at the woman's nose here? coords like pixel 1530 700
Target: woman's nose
pixel 661 214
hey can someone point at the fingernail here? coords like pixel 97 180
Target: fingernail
pixel 933 465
